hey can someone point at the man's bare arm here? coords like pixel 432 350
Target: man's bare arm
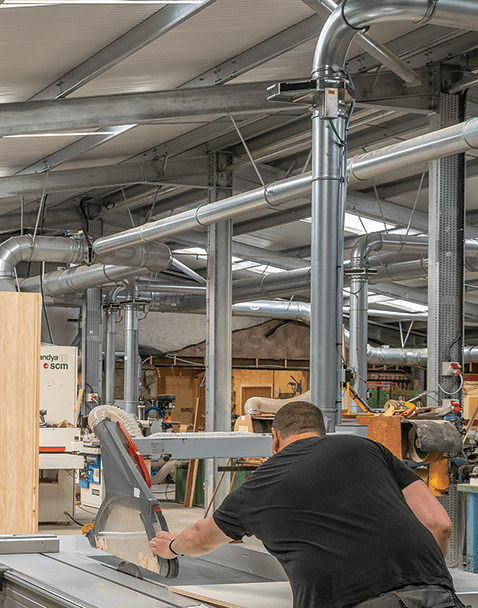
pixel 198 539
pixel 430 512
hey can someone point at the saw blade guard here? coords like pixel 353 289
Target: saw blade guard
pixel 129 516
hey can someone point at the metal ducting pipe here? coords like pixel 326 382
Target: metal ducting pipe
pixel 358 272
pixel 300 311
pixel 332 112
pixel 79 278
pixel 131 346
pixel 455 139
pixel 374 48
pixel 143 255
pixel 68 250
pixel 110 313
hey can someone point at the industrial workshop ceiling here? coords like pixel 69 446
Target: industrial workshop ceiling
pixel 112 109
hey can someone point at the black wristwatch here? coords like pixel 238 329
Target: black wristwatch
pixel 172 550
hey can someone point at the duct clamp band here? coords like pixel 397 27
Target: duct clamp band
pixel 196 214
pixel 432 4
pixel 357 29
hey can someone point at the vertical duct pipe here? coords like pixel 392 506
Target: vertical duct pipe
pixel 110 360
pixel 131 347
pixel 358 323
pixel 328 185
pixel 328 133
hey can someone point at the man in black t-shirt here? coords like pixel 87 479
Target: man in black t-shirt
pixel 349 522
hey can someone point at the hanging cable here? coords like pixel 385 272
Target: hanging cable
pixel 246 148
pixel 150 212
pixel 307 162
pixel 379 206
pixel 40 208
pixel 416 201
pixel 43 303
pixel 22 211
pixel 127 206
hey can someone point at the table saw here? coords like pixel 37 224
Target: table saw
pixel 79 576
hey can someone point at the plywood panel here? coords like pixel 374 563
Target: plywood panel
pixel 241 595
pixel 20 315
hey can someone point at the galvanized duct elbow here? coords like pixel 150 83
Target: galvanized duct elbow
pixel 68 250
pixel 368 243
pixel 355 15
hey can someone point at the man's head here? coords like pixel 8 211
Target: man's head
pixel 296 420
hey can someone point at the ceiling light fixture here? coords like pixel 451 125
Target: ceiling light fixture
pixel 22 3
pixel 79 134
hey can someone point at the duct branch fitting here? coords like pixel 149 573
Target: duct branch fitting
pixel 68 250
pixel 79 278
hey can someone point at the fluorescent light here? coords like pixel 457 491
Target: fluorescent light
pixel 21 3
pixel 73 134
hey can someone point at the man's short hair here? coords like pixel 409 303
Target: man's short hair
pixel 297 417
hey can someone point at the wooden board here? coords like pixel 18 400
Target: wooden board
pixel 20 315
pixel 241 595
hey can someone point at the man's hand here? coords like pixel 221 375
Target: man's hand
pixel 198 539
pixel 160 544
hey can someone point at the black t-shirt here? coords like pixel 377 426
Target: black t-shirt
pixel 330 509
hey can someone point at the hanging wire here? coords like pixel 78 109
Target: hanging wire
pixel 379 206
pixel 43 303
pixel 453 392
pixel 246 148
pixel 309 157
pixel 127 206
pixel 40 208
pixel 150 212
pixel 22 212
pixel 416 200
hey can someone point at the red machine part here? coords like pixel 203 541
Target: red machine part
pixel 135 455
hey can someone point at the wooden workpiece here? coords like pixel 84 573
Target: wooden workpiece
pixel 241 595
pixel 19 411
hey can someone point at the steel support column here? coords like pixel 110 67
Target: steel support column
pixel 219 321
pixel 446 258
